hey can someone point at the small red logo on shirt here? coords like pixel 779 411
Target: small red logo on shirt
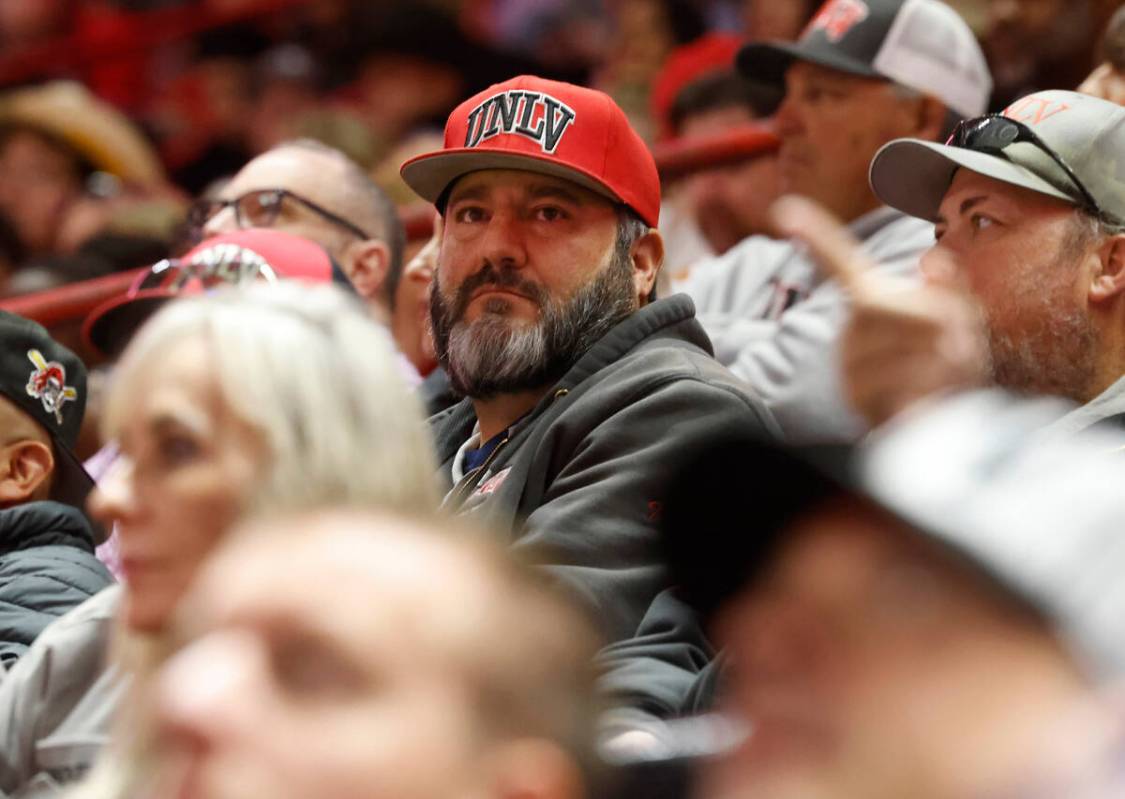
pixel 490 485
pixel 837 17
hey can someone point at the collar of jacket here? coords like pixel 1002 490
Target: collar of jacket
pixel 41 524
pixel 673 317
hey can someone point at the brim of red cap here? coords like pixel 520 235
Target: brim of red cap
pixel 767 62
pixel 109 327
pixel 432 173
pixel 678 157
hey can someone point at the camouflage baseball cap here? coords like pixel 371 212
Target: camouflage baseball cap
pixel 1059 143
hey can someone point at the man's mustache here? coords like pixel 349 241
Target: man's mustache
pixel 489 275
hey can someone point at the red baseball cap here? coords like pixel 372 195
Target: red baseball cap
pixel 229 259
pixel 549 127
pixel 706 55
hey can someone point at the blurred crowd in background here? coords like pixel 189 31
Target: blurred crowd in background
pixel 793 499
pixel 164 99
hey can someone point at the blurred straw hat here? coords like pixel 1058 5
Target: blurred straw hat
pixel 104 136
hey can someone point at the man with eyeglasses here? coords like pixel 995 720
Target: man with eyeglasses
pixel 1025 287
pixel 311 190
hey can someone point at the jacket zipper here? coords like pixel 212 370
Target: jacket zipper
pixel 468 482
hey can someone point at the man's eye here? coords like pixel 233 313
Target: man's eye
pixel 305 673
pixel 469 214
pixel 175 449
pixel 816 94
pixel 980 221
pixel 549 213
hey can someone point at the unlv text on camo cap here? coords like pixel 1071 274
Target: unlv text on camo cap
pixel 549 127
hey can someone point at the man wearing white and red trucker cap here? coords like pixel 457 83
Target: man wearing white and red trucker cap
pixel 580 390
pixel 863 72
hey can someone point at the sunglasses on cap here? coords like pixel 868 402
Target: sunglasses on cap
pixel 262 208
pixel 222 265
pixel 992 133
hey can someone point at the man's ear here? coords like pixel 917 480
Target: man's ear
pixel 1109 280
pixel 648 255
pixel 366 264
pixel 25 471
pixel 931 118
pixel 534 768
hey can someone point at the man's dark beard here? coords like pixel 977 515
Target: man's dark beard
pixel 495 355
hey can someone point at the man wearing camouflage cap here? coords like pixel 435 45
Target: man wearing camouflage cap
pixel 1030 220
pixel 47 563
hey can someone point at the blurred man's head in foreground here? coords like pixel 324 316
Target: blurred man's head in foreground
pixel 933 619
pixel 355 656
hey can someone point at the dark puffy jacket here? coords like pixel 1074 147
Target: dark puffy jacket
pixel 47 567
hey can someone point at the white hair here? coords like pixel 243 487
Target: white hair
pixel 320 382
pixel 317 379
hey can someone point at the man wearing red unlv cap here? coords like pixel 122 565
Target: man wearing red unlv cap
pixel 581 391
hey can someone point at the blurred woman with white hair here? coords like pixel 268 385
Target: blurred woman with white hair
pixel 265 400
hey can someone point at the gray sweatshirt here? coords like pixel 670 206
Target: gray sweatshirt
pixel 775 322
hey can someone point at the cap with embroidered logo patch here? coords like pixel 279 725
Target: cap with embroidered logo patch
pixel 922 44
pixel 549 127
pixel 47 382
pixel 1059 143
pixel 228 259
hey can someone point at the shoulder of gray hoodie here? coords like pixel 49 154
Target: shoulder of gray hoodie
pixel 791 358
pixel 57 702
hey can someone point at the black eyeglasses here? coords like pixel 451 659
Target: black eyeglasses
pixel 991 134
pixel 261 209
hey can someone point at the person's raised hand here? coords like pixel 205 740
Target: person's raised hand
pixel 904 341
pixel 1105 82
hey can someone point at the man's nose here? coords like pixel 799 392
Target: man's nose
pixel 205 691
pixel 503 241
pixel 114 498
pixel 225 221
pixel 940 266
pixel 787 118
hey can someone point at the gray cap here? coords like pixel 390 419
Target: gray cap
pixel 922 44
pixel 980 474
pixel 1041 513
pixel 1086 132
